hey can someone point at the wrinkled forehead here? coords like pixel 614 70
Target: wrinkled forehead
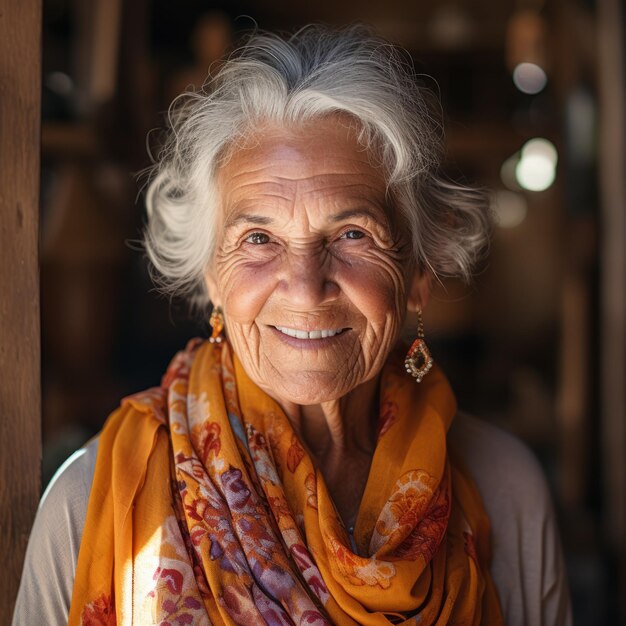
pixel 325 141
pixel 324 158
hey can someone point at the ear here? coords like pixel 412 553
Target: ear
pixel 211 286
pixel 419 290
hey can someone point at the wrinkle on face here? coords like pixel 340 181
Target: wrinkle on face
pixel 333 259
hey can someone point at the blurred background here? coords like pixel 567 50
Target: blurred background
pixel 533 100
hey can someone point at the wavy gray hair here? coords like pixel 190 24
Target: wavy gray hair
pixel 315 72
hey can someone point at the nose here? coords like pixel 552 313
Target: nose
pixel 306 281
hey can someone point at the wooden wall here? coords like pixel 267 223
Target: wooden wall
pixel 20 419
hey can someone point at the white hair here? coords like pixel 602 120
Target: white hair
pixel 315 72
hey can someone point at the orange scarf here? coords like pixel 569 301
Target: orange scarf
pixel 206 509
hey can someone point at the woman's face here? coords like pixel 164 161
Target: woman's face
pixel 309 269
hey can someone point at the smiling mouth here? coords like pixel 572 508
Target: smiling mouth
pixel 313 334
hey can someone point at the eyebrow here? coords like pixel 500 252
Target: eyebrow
pixel 247 218
pixel 350 213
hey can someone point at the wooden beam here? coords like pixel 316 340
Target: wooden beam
pixel 20 403
pixel 612 165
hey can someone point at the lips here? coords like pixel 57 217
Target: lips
pixel 309 334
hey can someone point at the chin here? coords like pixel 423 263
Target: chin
pixel 310 389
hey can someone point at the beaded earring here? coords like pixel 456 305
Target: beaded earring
pixel 418 361
pixel 217 325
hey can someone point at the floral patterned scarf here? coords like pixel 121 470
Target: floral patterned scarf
pixel 205 508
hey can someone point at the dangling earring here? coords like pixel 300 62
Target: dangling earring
pixel 418 360
pixel 217 325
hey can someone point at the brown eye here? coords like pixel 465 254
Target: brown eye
pixel 353 234
pixel 258 238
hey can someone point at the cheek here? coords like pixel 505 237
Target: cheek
pixel 377 289
pixel 244 289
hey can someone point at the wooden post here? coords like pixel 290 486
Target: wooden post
pixel 20 402
pixel 612 165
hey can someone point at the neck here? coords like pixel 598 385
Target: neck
pixel 346 426
pixel 340 436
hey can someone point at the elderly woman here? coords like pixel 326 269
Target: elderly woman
pixel 298 467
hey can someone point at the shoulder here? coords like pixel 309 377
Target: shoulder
pixel 527 562
pixel 73 478
pixel 499 462
pixel 48 575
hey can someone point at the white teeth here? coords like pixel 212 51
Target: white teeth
pixel 303 334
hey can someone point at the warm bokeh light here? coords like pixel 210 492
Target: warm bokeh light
pixel 540 147
pixel 536 168
pixel 535 173
pixel 509 208
pixel 529 78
